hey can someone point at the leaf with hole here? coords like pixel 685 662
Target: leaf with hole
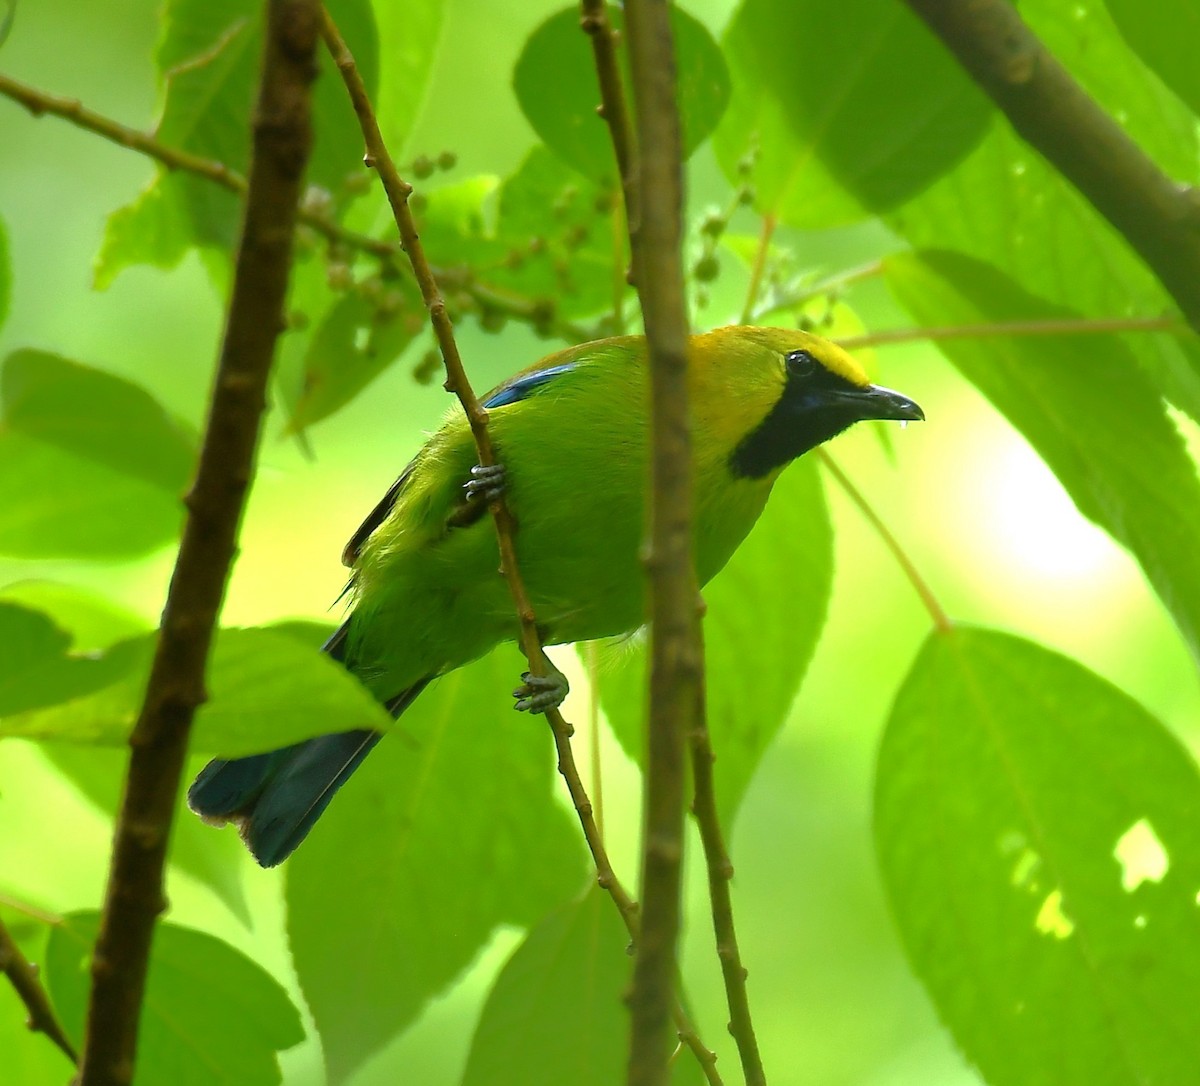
pixel 1038 836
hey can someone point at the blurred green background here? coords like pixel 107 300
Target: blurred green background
pixel 981 516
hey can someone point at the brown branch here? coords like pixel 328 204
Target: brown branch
pixel 24 979
pixel 1057 117
pixel 940 619
pixel 134 898
pixel 540 313
pixel 720 873
pixel 398 192
pixel 1067 326
pixel 595 23
pixel 676 658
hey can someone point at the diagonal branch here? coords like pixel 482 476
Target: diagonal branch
pixel 398 193
pixel 24 979
pixel 134 898
pixel 1057 117
pixel 538 312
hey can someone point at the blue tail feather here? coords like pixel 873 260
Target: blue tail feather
pixel 276 798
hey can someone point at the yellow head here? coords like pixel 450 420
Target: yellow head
pixel 768 395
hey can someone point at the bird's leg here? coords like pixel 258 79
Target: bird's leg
pixel 540 693
pixel 487 483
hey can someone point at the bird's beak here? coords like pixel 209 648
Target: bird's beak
pixel 877 402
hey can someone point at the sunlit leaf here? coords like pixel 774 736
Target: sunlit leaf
pixel 411 32
pixel 95 624
pixel 847 109
pixel 211 1015
pixel 1155 35
pixel 766 610
pixel 90 465
pixel 98 416
pixel 354 343
pixel 208 58
pixel 1007 206
pixel 1083 403
pixel 5 274
pixel 449 829
pixel 37 667
pixel 556 84
pixel 571 969
pixel 266 690
pixel 545 236
pixel 1039 837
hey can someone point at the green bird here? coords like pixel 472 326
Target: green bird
pixel 571 432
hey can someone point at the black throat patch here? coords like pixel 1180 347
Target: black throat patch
pixel 814 407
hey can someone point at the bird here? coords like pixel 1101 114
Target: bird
pixel 572 440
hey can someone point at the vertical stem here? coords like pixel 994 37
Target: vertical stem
pixel 760 263
pixel 676 666
pixel 134 898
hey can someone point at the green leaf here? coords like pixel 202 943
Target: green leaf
pixel 848 108
pixel 211 1015
pixel 90 465
pixel 37 668
pixel 98 416
pixel 410 33
pixel 449 829
pixel 266 690
pixel 1039 840
pixel 556 85
pixel 572 969
pixel 1155 35
pixel 5 274
pixel 1005 205
pixel 355 342
pixel 208 58
pixel 1085 406
pixel 155 230
pixel 96 624
pixel 546 235
pixel 766 610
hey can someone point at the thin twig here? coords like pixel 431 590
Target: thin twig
pixel 24 979
pixel 541 313
pixel 134 898
pixel 940 619
pixel 676 654
pixel 595 23
pixel 1066 326
pixel 783 301
pixel 398 192
pixel 720 873
pixel 1055 115
pixel 759 265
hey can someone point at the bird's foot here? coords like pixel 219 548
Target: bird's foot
pixel 541 693
pixel 487 484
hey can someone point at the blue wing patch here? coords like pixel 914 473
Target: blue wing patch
pixel 524 387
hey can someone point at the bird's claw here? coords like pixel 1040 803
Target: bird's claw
pixel 540 693
pixel 487 483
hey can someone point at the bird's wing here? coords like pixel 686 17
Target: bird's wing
pixel 524 385
pixel 517 388
pixel 375 518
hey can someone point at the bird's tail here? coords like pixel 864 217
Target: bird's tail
pixel 277 797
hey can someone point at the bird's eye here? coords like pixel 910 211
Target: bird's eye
pixel 801 364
